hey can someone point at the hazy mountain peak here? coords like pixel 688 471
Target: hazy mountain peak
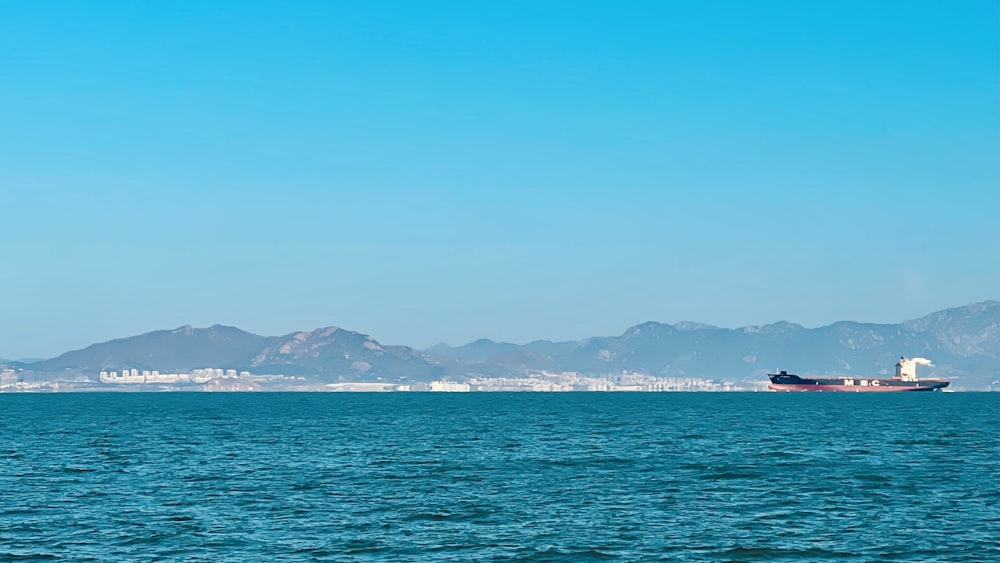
pixel 984 311
pixel 184 347
pixel 650 328
pixel 690 326
pixel 322 332
pixel 781 326
pixel 653 327
pixel 973 329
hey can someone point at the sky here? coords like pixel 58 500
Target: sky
pixel 431 172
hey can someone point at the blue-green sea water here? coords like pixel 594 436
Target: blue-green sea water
pixel 500 477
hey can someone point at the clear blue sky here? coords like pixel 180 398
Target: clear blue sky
pixel 445 171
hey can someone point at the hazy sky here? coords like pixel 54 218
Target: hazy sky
pixel 445 171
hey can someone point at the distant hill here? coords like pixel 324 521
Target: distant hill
pixel 325 355
pixel 963 342
pixel 334 354
pixel 164 350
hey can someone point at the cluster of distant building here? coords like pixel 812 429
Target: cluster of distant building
pixel 231 379
pixel 541 381
pixel 544 381
pixel 551 383
pixel 136 377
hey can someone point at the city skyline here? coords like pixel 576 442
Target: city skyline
pixel 455 171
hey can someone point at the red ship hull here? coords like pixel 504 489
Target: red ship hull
pixel 855 388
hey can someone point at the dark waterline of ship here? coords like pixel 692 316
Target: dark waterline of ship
pixel 500 477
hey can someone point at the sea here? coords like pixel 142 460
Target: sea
pixel 500 477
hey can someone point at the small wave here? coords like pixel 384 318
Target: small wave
pixel 353 547
pixel 735 475
pixel 554 554
pixel 778 454
pixel 871 478
pixel 427 516
pixel 808 554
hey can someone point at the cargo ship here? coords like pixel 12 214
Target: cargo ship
pixel 904 380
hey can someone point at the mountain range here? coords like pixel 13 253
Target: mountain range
pixel 963 342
